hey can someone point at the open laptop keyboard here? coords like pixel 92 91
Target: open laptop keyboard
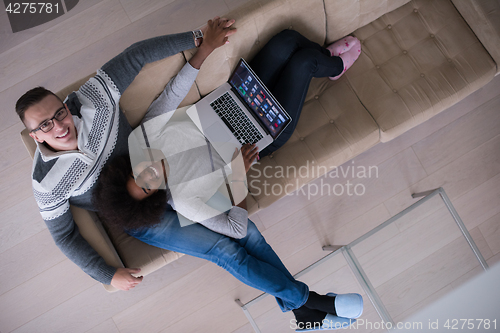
pixel 235 119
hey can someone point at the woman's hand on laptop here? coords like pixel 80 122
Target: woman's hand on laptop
pixel 242 160
pixel 250 153
pixel 240 164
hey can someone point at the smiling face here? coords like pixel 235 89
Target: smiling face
pixel 150 178
pixel 63 135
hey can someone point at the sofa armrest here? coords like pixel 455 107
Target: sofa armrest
pixel 483 17
pixel 29 143
pixel 91 229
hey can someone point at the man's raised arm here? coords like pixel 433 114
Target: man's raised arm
pixel 124 67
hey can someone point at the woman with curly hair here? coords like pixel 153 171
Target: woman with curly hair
pixel 134 199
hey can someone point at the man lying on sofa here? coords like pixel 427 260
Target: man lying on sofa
pixel 77 137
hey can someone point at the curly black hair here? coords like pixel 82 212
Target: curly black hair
pixel 117 207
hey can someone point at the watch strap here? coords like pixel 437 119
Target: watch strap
pixel 197 34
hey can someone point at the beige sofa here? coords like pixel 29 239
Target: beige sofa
pixel 418 58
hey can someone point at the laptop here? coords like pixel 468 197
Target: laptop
pixel 240 111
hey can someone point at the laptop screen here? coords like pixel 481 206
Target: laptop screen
pixel 258 98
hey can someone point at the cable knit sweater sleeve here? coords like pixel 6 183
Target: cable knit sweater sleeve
pixel 124 67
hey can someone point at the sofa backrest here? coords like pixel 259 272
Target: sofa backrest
pixel 345 16
pixel 483 17
pixel 257 21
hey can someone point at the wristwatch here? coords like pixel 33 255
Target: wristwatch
pixel 198 37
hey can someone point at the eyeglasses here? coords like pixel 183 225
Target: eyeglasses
pixel 47 125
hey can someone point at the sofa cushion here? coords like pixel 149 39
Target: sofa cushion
pixel 345 16
pixel 149 84
pixel 92 230
pixel 333 128
pixel 417 61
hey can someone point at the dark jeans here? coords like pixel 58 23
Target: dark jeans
pixel 286 65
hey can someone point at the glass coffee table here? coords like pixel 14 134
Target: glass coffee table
pixel 399 267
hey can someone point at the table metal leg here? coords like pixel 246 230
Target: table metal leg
pixel 463 228
pixel 423 194
pixel 249 316
pixel 367 285
pixel 458 221
pixel 332 248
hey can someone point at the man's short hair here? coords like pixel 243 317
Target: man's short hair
pixel 30 98
pixel 116 207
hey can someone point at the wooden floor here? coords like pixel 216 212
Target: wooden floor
pixel 42 291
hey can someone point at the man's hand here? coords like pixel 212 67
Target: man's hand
pixel 215 34
pixel 124 280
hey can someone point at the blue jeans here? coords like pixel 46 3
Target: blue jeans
pixel 250 259
pixel 286 65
